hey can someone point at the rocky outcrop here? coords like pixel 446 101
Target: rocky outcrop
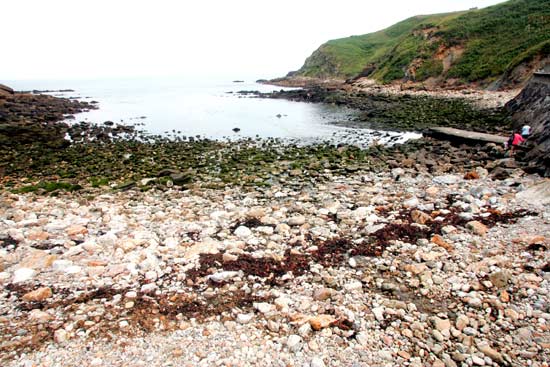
pixel 26 118
pixel 532 107
pixel 5 89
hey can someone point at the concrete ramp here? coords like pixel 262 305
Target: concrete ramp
pixel 464 136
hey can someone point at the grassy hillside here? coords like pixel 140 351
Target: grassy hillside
pixel 475 45
pixel 347 57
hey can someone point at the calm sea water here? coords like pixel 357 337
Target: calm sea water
pixel 207 108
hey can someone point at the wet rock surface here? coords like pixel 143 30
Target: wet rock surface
pixel 387 108
pixel 163 163
pixel 26 118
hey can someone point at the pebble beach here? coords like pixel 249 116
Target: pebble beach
pixel 390 268
pixel 386 204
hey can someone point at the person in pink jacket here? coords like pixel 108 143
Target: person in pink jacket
pixel 515 140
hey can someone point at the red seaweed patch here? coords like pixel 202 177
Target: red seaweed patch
pixel 267 268
pixel 335 251
pixel 148 312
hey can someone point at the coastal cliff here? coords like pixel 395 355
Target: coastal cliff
pixel 497 47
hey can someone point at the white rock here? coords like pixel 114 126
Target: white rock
pixel 396 172
pixel 378 313
pixel 264 307
pixel 373 218
pixel 361 212
pixel 294 343
pixel 243 232
pixel 171 242
pixel 108 240
pixel 317 362
pixel 448 229
pixel 146 181
pixel 482 172
pixel 60 336
pixel 151 275
pixel 73 251
pixel 220 215
pixel 282 303
pixel 22 275
pixel 304 330
pixel 385 355
pixel 123 324
pixel 273 326
pixel 447 179
pixel 353 285
pixel 243 318
pixel 74 269
pixel 475 302
pixel 362 338
pixel 437 280
pixel 61 265
pixel 478 361
pixel 411 203
pixel 297 220
pixel 149 288
pixel 323 211
pixel 223 276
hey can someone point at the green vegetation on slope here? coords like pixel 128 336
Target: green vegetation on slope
pixel 347 57
pixel 475 45
pixel 497 36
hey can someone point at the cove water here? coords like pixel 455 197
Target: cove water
pixel 209 109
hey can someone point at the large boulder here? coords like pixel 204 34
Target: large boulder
pixel 532 107
pixel 538 194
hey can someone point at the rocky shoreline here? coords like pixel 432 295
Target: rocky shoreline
pixel 389 107
pixel 26 118
pixel 484 99
pixel 153 251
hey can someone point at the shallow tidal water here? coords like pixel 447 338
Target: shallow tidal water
pixel 211 109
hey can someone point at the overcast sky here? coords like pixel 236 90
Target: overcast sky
pixel 63 39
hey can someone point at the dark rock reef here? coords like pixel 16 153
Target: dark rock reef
pixel 27 118
pixel 406 112
pixel 532 107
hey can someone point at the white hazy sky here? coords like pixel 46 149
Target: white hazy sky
pixel 63 39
